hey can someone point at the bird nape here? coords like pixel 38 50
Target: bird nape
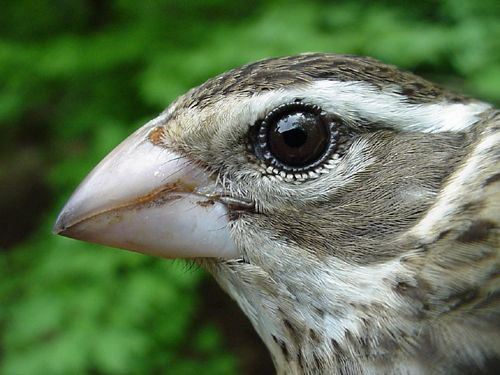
pixel 351 209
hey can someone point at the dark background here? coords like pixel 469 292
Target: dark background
pixel 77 76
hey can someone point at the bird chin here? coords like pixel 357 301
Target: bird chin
pixel 144 197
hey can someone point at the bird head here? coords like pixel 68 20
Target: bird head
pixel 311 187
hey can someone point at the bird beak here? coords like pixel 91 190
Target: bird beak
pixel 146 198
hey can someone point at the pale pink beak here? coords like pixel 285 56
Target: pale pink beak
pixel 146 198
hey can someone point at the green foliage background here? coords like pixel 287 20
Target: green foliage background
pixel 77 76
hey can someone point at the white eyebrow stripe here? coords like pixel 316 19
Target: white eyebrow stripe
pixel 355 100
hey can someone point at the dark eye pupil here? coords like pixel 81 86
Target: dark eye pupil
pixel 298 138
pixel 295 137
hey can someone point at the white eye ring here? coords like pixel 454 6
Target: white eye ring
pixel 296 137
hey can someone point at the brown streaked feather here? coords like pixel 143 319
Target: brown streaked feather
pixel 458 262
pixel 276 73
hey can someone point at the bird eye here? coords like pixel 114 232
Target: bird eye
pixel 296 137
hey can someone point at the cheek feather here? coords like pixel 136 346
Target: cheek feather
pixel 465 181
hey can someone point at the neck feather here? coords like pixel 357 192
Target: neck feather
pixel 326 317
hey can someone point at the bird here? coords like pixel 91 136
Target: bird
pixel 350 208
